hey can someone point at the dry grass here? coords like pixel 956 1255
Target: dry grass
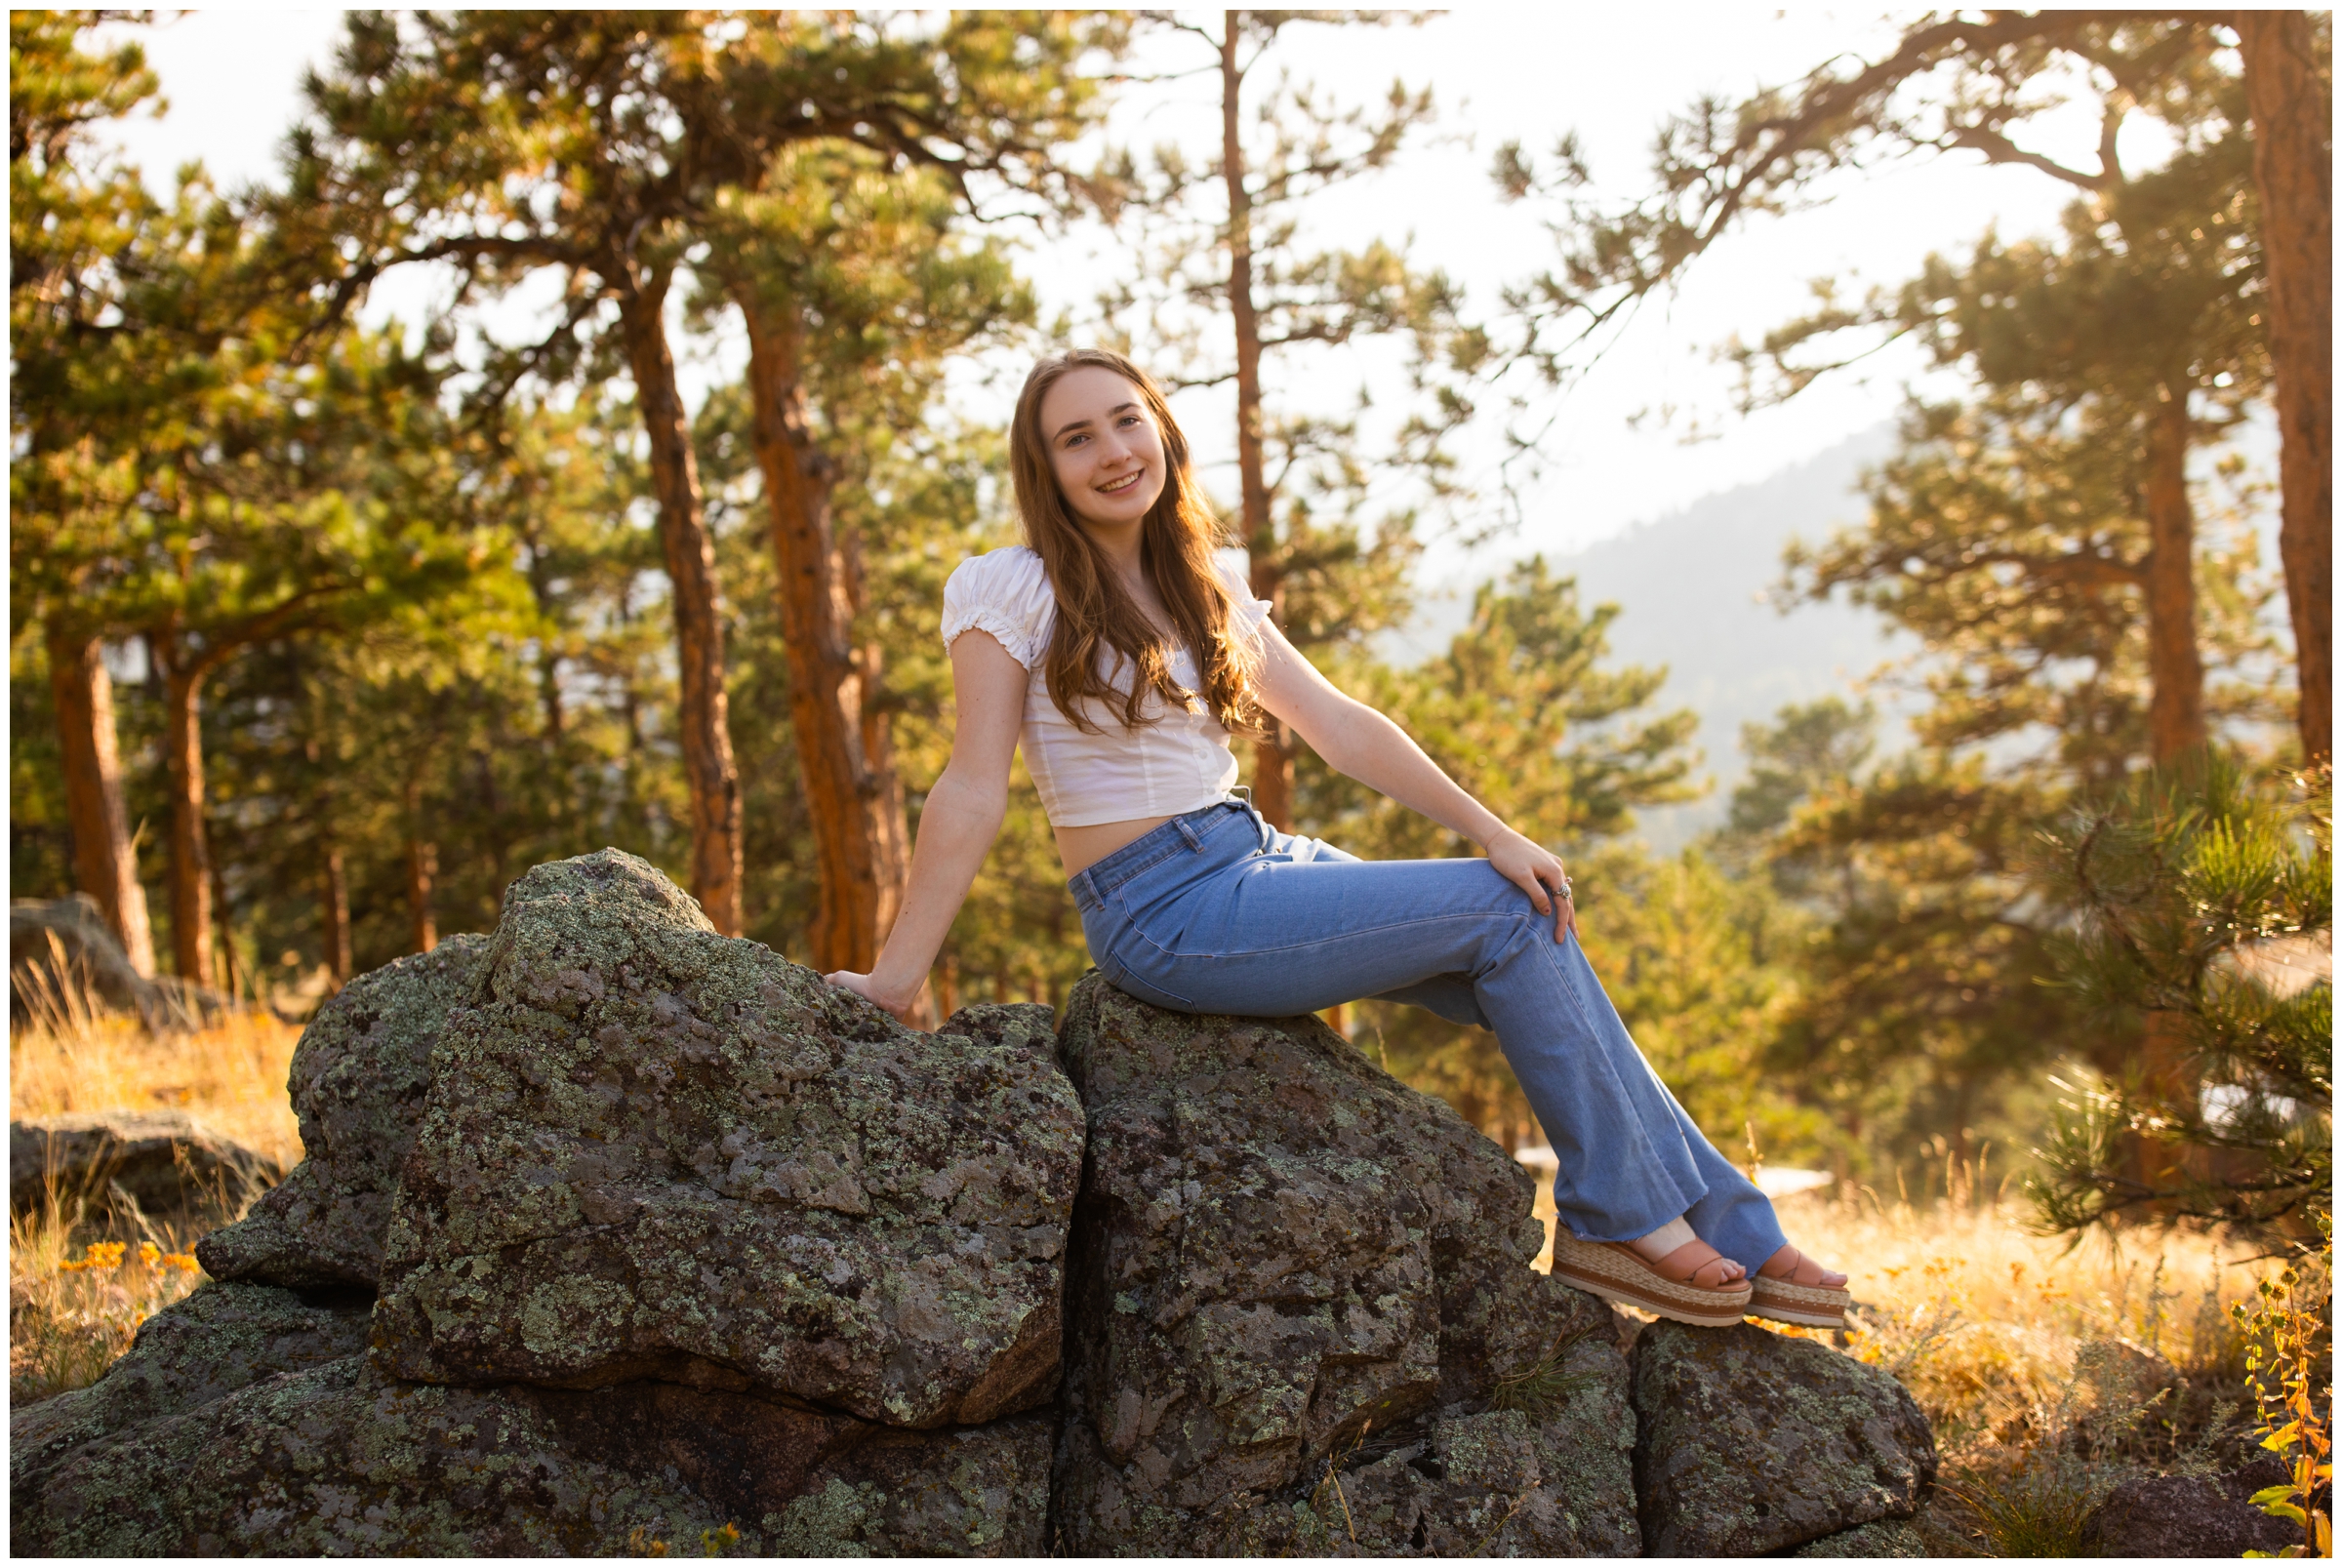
pixel 82 1276
pixel 230 1075
pixel 85 1266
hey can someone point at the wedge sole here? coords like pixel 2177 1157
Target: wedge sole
pixel 1617 1276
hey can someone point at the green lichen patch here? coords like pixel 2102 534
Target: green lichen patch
pixel 1881 1537
pixel 358 1079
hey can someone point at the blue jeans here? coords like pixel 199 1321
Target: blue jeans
pixel 1215 911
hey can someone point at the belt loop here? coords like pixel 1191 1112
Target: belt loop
pixel 1188 832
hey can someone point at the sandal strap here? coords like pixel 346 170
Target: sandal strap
pixel 1667 1267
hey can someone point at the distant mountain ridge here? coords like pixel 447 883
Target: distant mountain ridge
pixel 1693 591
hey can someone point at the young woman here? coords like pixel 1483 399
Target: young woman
pixel 1122 656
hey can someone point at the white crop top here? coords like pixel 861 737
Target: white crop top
pixel 1179 763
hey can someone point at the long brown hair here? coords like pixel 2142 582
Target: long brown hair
pixel 1094 610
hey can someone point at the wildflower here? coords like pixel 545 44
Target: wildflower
pixel 150 1254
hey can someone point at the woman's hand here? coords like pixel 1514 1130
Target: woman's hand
pixel 859 986
pixel 1536 872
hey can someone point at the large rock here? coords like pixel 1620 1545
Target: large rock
pixel 1295 1286
pixel 2190 1516
pixel 341 1461
pixel 1749 1443
pixel 358 1080
pixel 651 1151
pixel 165 1161
pixel 196 1352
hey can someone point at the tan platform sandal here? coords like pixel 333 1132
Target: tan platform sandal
pixel 1785 1301
pixel 1617 1272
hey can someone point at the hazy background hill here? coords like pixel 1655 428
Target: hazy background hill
pixel 1696 591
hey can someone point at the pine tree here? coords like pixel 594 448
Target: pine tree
pixel 2201 910
pixel 71 216
pixel 1978 84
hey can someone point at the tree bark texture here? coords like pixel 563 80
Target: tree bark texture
pixel 2174 663
pixel 104 861
pixel 2292 154
pixel 689 557
pixel 1272 752
pixel 845 747
pixel 190 844
pixel 332 911
pixel 422 871
pixel 223 930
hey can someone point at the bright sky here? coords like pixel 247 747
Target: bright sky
pixel 1499 72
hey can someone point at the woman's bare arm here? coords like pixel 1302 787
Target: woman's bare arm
pixel 956 827
pixel 1355 740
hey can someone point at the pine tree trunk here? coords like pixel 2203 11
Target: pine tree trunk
pixel 845 748
pixel 422 871
pixel 223 930
pixel 2174 664
pixel 190 845
pixel 104 861
pixel 701 713
pixel 2292 165
pixel 1271 753
pixel 332 913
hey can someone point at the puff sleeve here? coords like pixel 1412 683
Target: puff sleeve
pixel 1248 611
pixel 1004 593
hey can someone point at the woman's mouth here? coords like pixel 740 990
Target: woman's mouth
pixel 1119 486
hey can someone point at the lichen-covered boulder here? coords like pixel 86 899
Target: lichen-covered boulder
pixel 164 1161
pixel 1749 1443
pixel 1293 1279
pixel 358 1079
pixel 341 1461
pixel 221 1337
pixel 651 1151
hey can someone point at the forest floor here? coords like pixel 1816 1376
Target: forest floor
pixel 2050 1374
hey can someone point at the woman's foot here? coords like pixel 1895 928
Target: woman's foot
pixel 1675 1253
pixel 1793 1288
pixel 1794 1267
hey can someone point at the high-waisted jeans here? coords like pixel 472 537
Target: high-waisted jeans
pixel 1215 911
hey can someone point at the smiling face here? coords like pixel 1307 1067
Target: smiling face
pixel 1104 448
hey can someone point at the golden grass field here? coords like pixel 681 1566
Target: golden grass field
pixel 2045 1370
pixel 83 1276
